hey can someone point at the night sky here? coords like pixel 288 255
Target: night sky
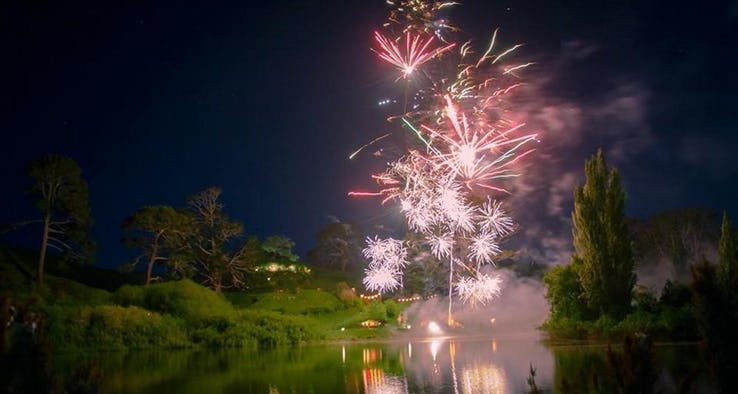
pixel 157 102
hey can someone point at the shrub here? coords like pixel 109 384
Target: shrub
pixel 185 298
pixel 113 327
pixel 305 302
pixel 67 291
pixel 392 309
pixel 377 311
pixel 272 329
pixel 561 327
pixel 347 295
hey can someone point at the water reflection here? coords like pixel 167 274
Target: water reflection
pixel 483 379
pixel 437 365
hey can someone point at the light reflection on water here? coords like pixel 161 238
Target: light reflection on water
pixel 437 365
pixel 461 367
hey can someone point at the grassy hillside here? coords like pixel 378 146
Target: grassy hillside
pixel 71 316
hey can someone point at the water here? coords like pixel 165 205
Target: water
pixel 440 365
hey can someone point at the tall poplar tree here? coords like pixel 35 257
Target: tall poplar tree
pixel 727 267
pixel 603 256
pixel 715 290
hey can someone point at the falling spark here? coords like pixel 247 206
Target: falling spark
pixel 351 156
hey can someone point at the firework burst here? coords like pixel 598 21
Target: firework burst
pixel 417 51
pixel 466 149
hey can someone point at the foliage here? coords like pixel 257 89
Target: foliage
pixel 273 329
pixel 302 302
pixel 347 295
pixel 602 245
pixel 392 309
pixel 675 295
pixel 77 318
pixel 565 294
pixel 377 310
pixel 665 323
pixel 279 248
pixel 112 327
pixel 531 381
pixel 183 298
pixel 715 308
pixel 677 236
pixel 61 196
pixel 159 233
pixel 427 275
pixel 173 314
pixel 644 300
pixel 65 291
pixel 727 267
pixel 338 246
pixel 253 254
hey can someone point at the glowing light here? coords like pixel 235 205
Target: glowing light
pixel 484 378
pixel 417 51
pixel 435 345
pixel 434 328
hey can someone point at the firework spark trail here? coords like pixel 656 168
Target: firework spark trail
pixel 468 148
pixel 372 142
pixel 420 16
pixel 477 155
pixel 416 52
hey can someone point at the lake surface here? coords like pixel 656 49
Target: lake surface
pixel 438 365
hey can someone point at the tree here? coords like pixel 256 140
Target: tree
pixel 565 294
pixel 214 246
pixel 727 269
pixel 279 248
pixel 426 275
pixel 253 254
pixel 715 309
pixel 61 195
pixel 678 236
pixel 338 245
pixel 602 247
pixel 159 232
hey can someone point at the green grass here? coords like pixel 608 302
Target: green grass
pixel 80 318
pixel 299 303
pixel 326 279
pixel 185 299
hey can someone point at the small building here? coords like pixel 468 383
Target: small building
pixel 371 323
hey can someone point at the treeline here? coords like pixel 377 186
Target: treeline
pixel 200 241
pixel 596 294
pixel 197 240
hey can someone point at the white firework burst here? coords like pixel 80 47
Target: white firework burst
pixel 382 279
pixel 388 252
pixel 493 218
pixel 441 244
pixel 482 289
pixel 483 247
